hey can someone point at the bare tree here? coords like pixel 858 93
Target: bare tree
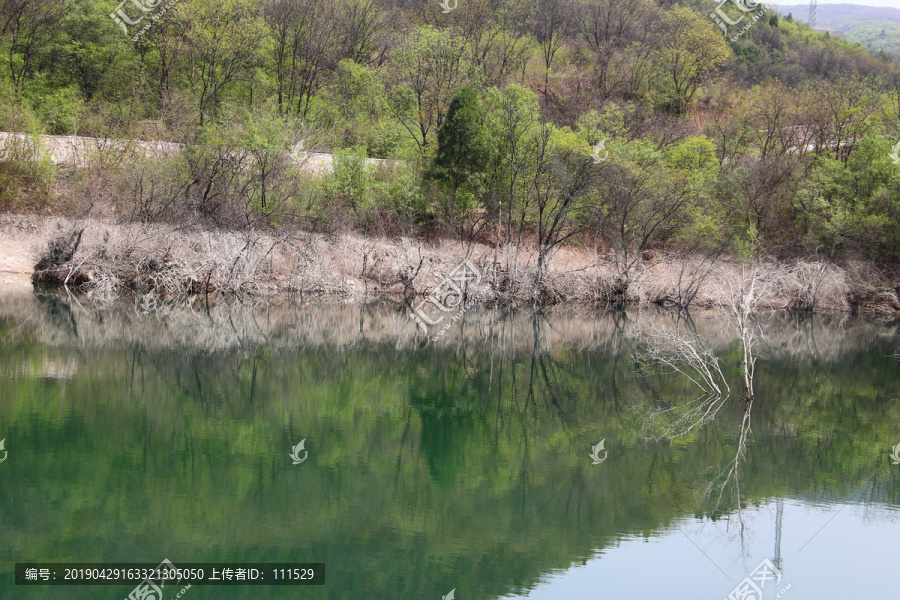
pixel 550 24
pixel 361 26
pixel 559 185
pixel 685 354
pixel 695 265
pixel 739 302
pixel 634 206
pixel 610 29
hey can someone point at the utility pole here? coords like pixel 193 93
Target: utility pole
pixel 812 13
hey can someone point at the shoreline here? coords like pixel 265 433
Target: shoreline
pixel 113 259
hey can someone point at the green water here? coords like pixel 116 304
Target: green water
pixel 459 465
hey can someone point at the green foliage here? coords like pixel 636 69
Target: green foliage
pixel 857 203
pixel 465 150
pixel 691 47
pixel 747 53
pixel 695 157
pixel 224 76
pixel 59 109
pixel 351 180
pixel 695 167
pixel 430 65
pixel 884 36
pixel 594 126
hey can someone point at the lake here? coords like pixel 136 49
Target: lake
pixel 470 467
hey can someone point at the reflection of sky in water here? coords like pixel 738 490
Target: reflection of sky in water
pixel 852 556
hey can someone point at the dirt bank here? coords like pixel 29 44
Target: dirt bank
pixel 114 258
pixel 20 244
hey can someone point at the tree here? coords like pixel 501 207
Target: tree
pixel 304 33
pixel 222 38
pixel 31 25
pixel 691 48
pixel 636 201
pixel 515 115
pixel 561 179
pixel 618 34
pixel 429 66
pixel 550 26
pixel 361 26
pixel 464 147
pixel 854 205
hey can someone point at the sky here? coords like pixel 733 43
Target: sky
pixel 883 3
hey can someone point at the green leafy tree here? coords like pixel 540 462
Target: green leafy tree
pixel 428 67
pixel 464 149
pixel 30 26
pixel 855 205
pixel 691 48
pixel 223 39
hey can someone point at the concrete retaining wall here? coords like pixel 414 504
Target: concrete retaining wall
pixel 74 151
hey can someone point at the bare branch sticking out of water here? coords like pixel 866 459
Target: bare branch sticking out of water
pixel 687 355
pixel 739 302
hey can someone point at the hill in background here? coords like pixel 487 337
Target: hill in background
pixel 876 28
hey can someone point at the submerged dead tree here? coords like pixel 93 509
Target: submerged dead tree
pixel 739 302
pixel 669 351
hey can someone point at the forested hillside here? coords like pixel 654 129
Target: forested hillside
pixel 621 124
pixel 876 28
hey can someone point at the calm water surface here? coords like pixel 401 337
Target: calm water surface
pixel 135 435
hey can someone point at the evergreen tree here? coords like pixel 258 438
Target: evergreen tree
pixel 464 146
